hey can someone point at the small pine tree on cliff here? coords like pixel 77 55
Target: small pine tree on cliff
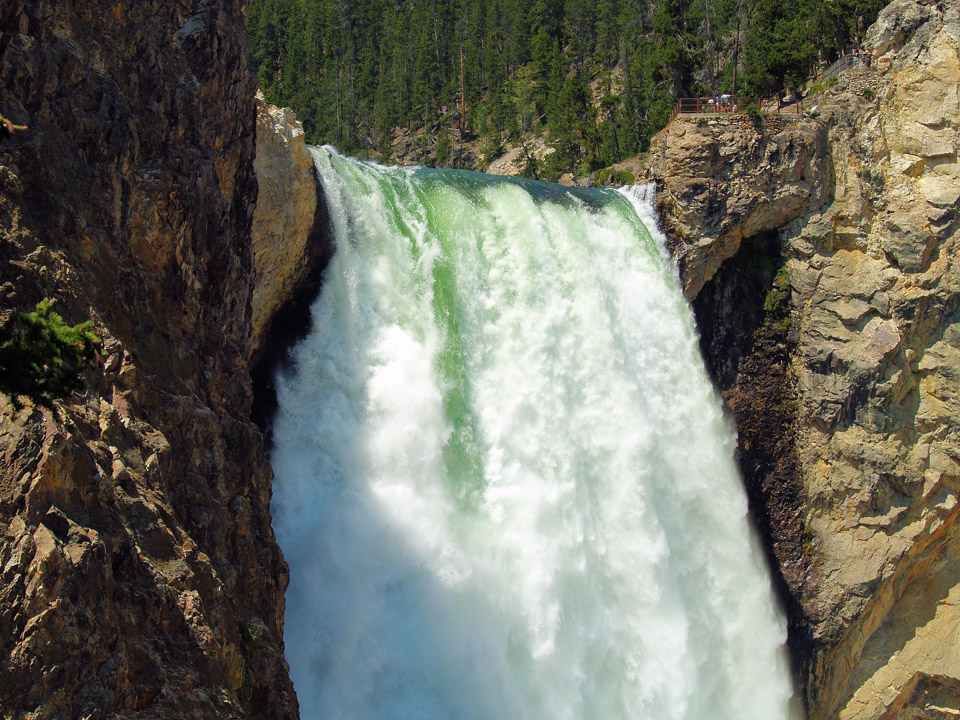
pixel 42 357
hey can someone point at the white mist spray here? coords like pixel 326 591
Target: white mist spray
pixel 503 483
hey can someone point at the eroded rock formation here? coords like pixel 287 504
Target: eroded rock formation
pixel 138 571
pixel 864 201
pixel 728 178
pixel 291 238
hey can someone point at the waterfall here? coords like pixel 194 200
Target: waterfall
pixel 504 484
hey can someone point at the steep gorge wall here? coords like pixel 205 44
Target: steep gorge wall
pixel 848 354
pixel 876 283
pixel 138 571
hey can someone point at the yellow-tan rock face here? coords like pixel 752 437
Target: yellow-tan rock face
pixel 284 216
pixel 878 293
pixel 727 178
pixel 864 200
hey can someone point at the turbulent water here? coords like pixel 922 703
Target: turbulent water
pixel 503 483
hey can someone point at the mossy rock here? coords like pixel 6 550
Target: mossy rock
pixel 612 177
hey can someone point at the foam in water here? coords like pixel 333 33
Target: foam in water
pixel 503 483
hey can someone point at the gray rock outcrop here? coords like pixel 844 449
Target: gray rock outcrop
pixel 728 178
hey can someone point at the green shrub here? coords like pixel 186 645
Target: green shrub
pixel 250 635
pixel 442 153
pixel 779 293
pixel 869 94
pixel 7 128
pixel 493 149
pixel 43 358
pixel 753 111
pixel 608 176
pixel 530 167
pixel 822 86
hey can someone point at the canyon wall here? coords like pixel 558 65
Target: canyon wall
pixel 138 570
pixel 832 329
pixel 139 576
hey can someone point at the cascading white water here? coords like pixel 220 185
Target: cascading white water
pixel 503 482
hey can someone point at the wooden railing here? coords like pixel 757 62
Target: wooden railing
pixel 719 104
pixel 731 104
pixel 778 106
pixel 735 104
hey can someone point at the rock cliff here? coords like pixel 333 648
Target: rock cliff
pixel 834 336
pixel 291 237
pixel 138 571
pixel 730 177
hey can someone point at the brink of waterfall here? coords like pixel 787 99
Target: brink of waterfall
pixel 504 484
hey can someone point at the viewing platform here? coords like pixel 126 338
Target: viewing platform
pixel 728 104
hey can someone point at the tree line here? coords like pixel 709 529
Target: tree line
pixel 596 78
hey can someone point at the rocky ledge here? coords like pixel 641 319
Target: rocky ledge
pixel 834 334
pixel 728 178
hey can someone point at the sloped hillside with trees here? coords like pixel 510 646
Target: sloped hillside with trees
pixel 592 79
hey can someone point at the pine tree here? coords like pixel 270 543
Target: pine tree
pixel 779 49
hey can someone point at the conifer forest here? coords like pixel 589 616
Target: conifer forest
pixel 593 79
